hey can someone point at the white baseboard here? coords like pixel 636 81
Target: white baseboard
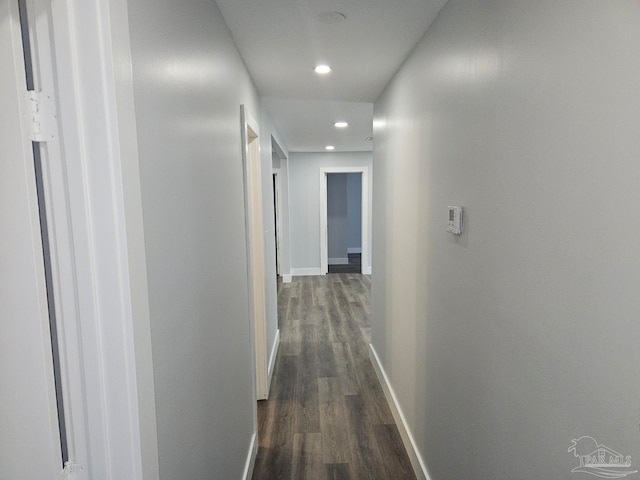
pixel 251 458
pixel 272 360
pixel 305 272
pixel 286 278
pixel 338 261
pixel 354 250
pixel 417 462
pixel 366 270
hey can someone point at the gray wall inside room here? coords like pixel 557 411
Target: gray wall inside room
pixel 189 83
pixel 354 212
pixel 337 224
pixel 344 215
pixel 504 344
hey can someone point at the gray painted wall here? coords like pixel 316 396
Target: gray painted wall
pixel 189 83
pixel 507 342
pixel 354 210
pixel 304 201
pixel 337 224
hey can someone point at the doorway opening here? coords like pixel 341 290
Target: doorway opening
pixel 278 170
pixel 276 194
pixel 344 219
pixel 344 222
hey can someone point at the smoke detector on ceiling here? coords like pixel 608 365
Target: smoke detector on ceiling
pixel 331 18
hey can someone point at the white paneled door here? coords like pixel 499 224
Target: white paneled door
pixel 30 445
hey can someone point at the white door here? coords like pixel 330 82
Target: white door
pixel 30 444
pixel 255 249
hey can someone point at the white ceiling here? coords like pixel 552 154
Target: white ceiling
pixel 282 40
pixel 307 125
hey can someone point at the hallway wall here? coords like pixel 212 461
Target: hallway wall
pixel 189 83
pixel 507 342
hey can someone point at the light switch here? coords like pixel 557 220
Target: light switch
pixel 455 220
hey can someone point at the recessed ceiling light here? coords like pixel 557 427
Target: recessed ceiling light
pixel 330 147
pixel 322 69
pixel 341 124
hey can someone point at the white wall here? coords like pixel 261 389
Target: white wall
pixel 285 219
pixel 504 344
pixel 304 184
pixel 337 225
pixel 189 83
pixel 354 212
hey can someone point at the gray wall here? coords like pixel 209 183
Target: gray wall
pixel 507 342
pixel 354 211
pixel 337 223
pixel 304 201
pixel 189 82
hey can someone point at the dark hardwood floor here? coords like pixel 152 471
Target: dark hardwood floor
pixel 326 417
pixel 354 265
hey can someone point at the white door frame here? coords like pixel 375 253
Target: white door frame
pixel 366 208
pixel 254 223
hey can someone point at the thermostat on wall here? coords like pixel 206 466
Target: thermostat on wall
pixel 455 220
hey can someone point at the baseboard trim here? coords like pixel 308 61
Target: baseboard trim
pixel 251 458
pixel 305 272
pixel 338 261
pixel 366 270
pixel 354 250
pixel 417 462
pixel 286 278
pixel 272 360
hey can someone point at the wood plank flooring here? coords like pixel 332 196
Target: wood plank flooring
pixel 354 265
pixel 326 417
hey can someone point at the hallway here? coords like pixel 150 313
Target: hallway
pixel 326 416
